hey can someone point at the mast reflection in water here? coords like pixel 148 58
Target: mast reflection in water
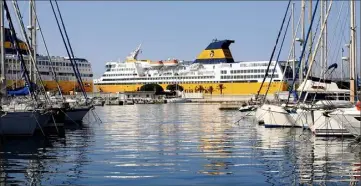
pixel 178 144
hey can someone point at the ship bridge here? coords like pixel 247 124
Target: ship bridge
pixel 216 52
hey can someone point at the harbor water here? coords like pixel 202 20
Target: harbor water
pixel 178 144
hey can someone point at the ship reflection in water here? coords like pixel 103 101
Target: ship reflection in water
pixel 178 144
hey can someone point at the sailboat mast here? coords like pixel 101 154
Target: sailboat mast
pixel 2 50
pixel 310 38
pixel 325 54
pixel 322 69
pixel 303 8
pixel 352 51
pixel 294 47
pixel 32 29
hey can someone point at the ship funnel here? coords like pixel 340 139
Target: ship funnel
pixel 216 52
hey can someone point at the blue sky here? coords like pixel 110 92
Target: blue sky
pixel 109 30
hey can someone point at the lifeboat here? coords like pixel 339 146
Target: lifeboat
pixel 156 63
pixel 173 62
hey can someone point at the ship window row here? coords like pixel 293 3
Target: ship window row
pixel 50 73
pixel 257 76
pixel 63 64
pixel 255 64
pixel 185 82
pixel 111 75
pixel 167 74
pixel 161 78
pixel 72 74
pixel 47 68
pixel 48 63
pixel 109 66
pixel 123 69
pixel 252 71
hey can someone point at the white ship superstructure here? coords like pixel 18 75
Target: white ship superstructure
pixel 222 74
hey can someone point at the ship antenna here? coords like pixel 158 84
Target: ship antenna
pixel 134 54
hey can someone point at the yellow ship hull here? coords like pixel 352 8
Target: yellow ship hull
pixel 217 88
pixel 66 86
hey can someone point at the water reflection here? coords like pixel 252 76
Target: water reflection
pixel 21 160
pixel 31 161
pixel 178 144
pixel 216 145
pixel 296 156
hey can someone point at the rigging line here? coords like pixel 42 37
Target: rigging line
pixel 290 52
pixel 339 40
pixel 19 54
pixel 66 47
pixel 303 49
pixel 47 53
pixel 24 34
pixel 71 49
pixel 309 52
pixel 274 49
pixel 342 33
pixel 72 57
pixel 278 56
pixel 317 45
pixel 330 42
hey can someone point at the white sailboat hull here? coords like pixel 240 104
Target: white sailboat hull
pixel 277 116
pixel 302 118
pixel 328 125
pixel 260 113
pixel 178 100
pixel 347 118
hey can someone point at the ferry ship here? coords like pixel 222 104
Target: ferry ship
pixel 61 65
pixel 213 72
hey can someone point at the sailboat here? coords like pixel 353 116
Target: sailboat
pixel 321 116
pixel 350 117
pixel 78 108
pixel 18 118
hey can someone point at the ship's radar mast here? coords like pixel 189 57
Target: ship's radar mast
pixel 133 55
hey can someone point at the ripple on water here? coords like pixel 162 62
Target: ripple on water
pixel 178 144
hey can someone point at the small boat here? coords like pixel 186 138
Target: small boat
pixel 248 108
pixel 156 63
pixel 98 101
pixel 114 101
pixel 170 62
pixel 129 102
pixel 178 100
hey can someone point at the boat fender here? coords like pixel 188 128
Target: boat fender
pixel 358 105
